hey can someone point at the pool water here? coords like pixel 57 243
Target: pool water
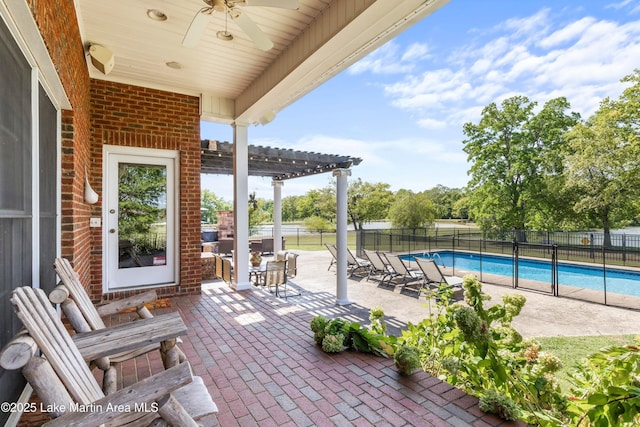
pixel 617 280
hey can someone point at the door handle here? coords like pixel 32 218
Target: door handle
pixel 112 230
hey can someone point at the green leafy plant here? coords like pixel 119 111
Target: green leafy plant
pixel 606 388
pixel 476 348
pixel 337 335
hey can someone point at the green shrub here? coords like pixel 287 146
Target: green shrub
pixel 476 349
pixel 498 404
pixel 317 325
pixel 316 223
pixel 333 343
pixel 407 359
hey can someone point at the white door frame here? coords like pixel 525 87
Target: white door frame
pixel 110 200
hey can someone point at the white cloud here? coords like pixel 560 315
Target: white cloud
pixel 534 56
pixel 429 123
pixel 570 32
pixel 390 59
pixel 618 5
pixel 415 51
pixel 384 60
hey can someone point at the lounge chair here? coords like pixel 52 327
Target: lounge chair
pixel 353 264
pixel 356 264
pixel 378 266
pixel 401 274
pixel 334 254
pixel 62 379
pixel 434 276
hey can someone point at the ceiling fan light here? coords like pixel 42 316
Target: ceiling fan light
pixel 156 15
pixel 224 35
pixel 219 5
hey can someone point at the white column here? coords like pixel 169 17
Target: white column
pixel 341 235
pixel 277 215
pixel 241 206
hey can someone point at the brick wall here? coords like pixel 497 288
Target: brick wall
pixel 133 116
pixel 118 114
pixel 225 225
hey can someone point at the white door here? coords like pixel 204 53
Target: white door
pixel 140 218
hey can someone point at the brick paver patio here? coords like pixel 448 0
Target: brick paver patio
pixel 256 354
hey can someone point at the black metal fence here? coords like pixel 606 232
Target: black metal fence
pixel 577 265
pixel 298 236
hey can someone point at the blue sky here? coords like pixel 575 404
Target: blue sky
pixel 401 108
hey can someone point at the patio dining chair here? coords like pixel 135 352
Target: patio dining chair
pixel 280 256
pixel 275 275
pixel 292 264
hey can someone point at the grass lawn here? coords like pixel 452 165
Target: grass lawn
pixel 572 349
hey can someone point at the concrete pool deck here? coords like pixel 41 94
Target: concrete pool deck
pixel 542 315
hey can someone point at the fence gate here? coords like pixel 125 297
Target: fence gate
pixel 535 267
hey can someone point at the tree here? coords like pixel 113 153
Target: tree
pixel 290 208
pixel 320 203
pixel 368 202
pixel 412 210
pixel 512 150
pixel 604 164
pixel 211 204
pixel 444 199
pixel 142 193
pixel 260 211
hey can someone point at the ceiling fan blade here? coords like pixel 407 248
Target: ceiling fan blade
pixel 283 4
pixel 251 29
pixel 197 28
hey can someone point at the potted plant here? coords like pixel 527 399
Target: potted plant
pixel 255 259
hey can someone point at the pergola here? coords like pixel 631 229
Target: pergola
pixel 282 164
pixel 277 163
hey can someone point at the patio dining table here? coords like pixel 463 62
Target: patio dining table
pixel 256 273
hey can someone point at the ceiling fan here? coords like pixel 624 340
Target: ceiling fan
pixel 230 7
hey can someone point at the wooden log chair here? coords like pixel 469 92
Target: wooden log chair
pixel 83 316
pixel 69 391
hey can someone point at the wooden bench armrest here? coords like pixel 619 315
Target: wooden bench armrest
pixel 129 335
pixel 133 301
pixel 135 398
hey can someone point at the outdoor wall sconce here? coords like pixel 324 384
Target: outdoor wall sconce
pixel 90 196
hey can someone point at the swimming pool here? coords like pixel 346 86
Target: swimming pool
pixel 581 276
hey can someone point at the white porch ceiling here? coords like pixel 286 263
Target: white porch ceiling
pixel 235 80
